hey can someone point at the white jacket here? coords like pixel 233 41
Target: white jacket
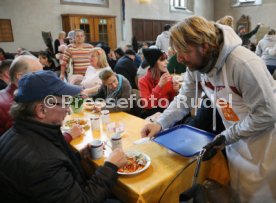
pixel 263 48
pixel 163 41
pixel 91 78
pixel 251 134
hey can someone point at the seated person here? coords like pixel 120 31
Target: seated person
pixel 115 90
pixel 47 61
pixel 4 55
pixel 4 73
pixel 126 67
pixel 19 67
pixel 49 170
pixel 119 53
pixel 91 80
pixel 156 88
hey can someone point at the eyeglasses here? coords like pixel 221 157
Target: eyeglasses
pixel 63 105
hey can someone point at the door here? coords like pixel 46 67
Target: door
pixel 86 24
pixel 96 28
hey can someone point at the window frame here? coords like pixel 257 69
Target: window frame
pixel 244 3
pixel 182 9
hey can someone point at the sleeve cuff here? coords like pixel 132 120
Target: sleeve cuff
pixel 68 138
pixel 110 165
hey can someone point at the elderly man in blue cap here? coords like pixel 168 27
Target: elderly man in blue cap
pixel 36 163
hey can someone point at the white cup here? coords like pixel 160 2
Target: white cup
pixel 95 122
pixel 105 116
pixel 116 141
pixel 96 147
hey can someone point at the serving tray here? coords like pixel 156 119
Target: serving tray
pixel 184 140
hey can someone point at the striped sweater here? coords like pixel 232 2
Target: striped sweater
pixel 80 57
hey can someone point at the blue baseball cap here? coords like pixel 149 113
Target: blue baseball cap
pixel 37 85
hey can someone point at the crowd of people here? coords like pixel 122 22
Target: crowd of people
pixel 213 60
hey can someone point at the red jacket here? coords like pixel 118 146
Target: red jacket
pixel 6 100
pixel 149 89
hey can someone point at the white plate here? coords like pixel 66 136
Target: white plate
pixel 136 153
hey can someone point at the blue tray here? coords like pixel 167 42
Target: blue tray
pixel 184 140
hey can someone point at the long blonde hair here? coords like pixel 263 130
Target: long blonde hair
pixel 194 31
pixel 100 54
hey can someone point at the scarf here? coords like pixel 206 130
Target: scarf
pixel 114 93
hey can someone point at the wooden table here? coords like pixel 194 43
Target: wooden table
pixel 168 175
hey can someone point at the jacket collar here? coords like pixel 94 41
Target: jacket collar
pixel 47 131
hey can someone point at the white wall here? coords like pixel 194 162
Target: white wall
pixel 264 13
pixel 205 8
pixel 30 17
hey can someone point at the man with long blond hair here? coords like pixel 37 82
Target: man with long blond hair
pixel 241 89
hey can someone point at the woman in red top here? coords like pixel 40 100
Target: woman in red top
pixel 157 89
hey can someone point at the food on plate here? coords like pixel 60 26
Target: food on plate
pixel 134 163
pixel 83 123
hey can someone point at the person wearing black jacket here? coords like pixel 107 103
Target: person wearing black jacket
pixel 126 67
pixel 245 37
pixel 36 163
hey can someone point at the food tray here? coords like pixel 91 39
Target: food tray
pixel 184 140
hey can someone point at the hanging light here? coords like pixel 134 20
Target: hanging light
pixel 144 1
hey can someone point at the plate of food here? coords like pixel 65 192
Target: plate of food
pixel 137 162
pixel 70 122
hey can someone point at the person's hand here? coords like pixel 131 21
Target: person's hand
pixel 97 109
pixel 85 152
pixel 85 92
pixel 176 86
pixel 165 77
pixel 112 55
pixel 217 143
pixel 75 131
pixel 62 76
pixel 150 130
pixel 259 24
pixel 118 158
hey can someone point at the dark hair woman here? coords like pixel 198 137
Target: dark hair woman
pixel 157 88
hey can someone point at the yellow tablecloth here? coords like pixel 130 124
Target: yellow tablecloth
pixel 168 175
